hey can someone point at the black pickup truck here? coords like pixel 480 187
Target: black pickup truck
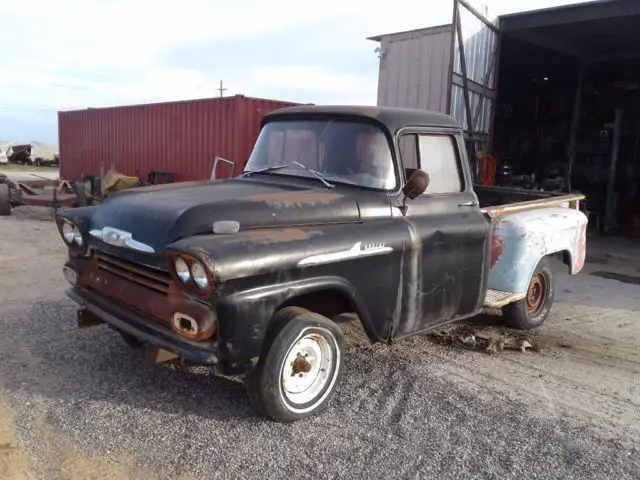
pixel 339 209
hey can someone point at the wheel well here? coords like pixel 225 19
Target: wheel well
pixel 566 259
pixel 328 303
pixel 565 255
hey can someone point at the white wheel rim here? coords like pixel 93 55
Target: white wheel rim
pixel 308 368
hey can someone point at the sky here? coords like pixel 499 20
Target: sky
pixel 74 54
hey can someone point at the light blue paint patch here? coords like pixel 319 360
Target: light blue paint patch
pixel 530 235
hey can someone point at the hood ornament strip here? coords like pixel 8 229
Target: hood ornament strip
pixel 120 238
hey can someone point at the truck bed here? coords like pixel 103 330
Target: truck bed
pixel 496 201
pixel 528 225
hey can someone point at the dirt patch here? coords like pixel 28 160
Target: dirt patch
pixel 14 464
pixel 59 459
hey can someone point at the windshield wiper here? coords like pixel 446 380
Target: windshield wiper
pixel 265 169
pixel 318 175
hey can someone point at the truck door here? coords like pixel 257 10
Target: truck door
pixel 472 73
pixel 444 277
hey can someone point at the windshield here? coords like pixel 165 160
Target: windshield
pixel 351 152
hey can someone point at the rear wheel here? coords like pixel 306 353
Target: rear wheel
pixel 5 199
pixel 531 311
pixel 298 372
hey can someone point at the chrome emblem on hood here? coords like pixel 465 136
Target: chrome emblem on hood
pixel 120 238
pixel 356 251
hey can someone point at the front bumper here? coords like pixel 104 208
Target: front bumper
pixel 145 329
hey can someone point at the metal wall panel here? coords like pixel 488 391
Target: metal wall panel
pixel 414 69
pixel 480 43
pixel 481 117
pixel 179 137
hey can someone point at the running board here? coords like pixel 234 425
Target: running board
pixel 498 299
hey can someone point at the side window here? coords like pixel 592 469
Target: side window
pixel 438 157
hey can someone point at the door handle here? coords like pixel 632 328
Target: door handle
pixel 472 203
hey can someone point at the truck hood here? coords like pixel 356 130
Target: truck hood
pixel 158 216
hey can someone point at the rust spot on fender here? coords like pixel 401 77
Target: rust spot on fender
pixel 497 247
pixel 170 186
pixel 294 199
pixel 269 236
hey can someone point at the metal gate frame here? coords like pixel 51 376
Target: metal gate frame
pixel 484 88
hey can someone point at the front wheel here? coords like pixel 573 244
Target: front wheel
pixel 531 311
pixel 298 373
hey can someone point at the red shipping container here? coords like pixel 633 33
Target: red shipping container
pixel 178 137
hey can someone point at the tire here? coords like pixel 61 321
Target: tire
pixel 532 311
pixel 270 384
pixel 5 199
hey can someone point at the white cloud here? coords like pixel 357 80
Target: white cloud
pixel 76 53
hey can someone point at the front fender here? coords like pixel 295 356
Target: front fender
pixel 521 239
pixel 245 316
pixel 256 271
pixel 80 216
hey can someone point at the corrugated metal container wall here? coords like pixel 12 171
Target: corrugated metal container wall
pixel 414 69
pixel 178 137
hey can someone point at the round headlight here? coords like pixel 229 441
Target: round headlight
pixel 182 270
pixel 68 232
pixel 199 275
pixel 77 236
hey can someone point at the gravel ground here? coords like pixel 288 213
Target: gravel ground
pixel 79 404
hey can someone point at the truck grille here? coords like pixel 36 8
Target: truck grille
pixel 147 277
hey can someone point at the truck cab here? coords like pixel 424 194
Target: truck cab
pixel 339 209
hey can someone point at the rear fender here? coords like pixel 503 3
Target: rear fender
pixel 521 239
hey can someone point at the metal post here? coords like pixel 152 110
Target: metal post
pixel 471 147
pixel 611 184
pixel 221 89
pixel 575 121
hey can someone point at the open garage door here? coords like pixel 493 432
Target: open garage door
pixel 472 85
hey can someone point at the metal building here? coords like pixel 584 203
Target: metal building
pixel 414 68
pixel 448 69
pixel 551 93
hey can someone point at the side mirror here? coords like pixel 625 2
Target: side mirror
pixel 417 184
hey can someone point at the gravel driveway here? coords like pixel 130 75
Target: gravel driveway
pixel 79 404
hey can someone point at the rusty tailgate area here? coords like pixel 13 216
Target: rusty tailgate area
pixel 144 302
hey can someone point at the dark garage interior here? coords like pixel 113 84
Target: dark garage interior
pixel 568 107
